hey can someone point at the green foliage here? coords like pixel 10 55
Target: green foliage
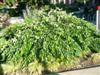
pixel 95 45
pixel 10 2
pixel 52 38
pixel 27 2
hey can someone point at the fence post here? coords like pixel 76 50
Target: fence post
pixel 98 18
pixel 60 1
pixel 64 1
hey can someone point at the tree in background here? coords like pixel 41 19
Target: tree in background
pixel 27 2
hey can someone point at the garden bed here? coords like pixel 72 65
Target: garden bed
pixel 92 60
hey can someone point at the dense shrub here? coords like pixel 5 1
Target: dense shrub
pixel 95 45
pixel 52 39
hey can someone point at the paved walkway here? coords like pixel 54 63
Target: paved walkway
pixel 89 71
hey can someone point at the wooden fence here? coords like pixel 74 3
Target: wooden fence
pixel 62 1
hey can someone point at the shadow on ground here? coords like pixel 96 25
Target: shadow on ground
pixel 1 71
pixel 51 74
